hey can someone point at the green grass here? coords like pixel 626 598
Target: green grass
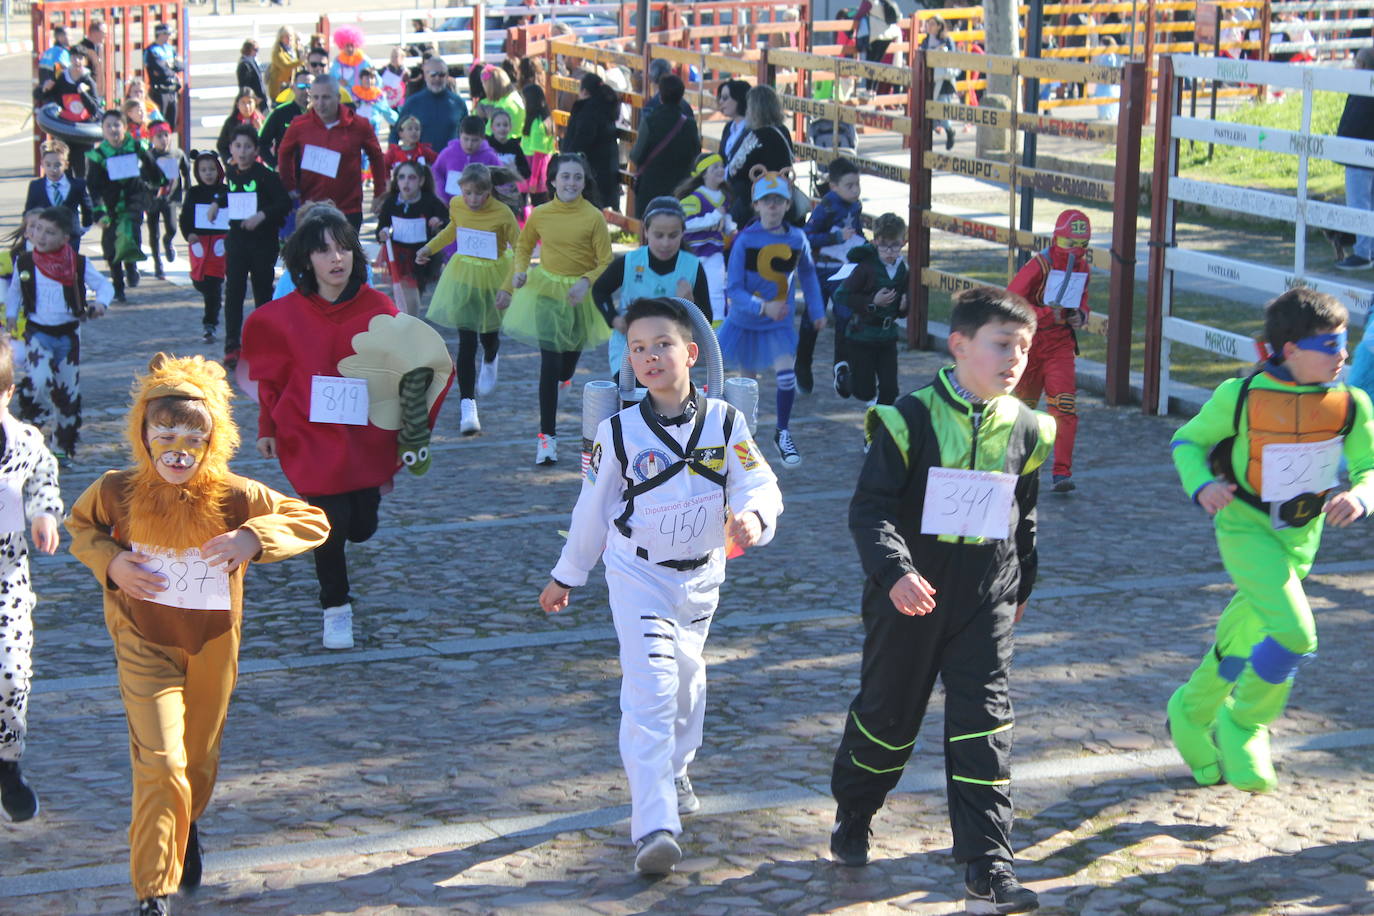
pixel 1253 168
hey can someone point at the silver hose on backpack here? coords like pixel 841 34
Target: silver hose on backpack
pixel 705 337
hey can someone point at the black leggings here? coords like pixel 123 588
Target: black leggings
pixel 212 290
pixel 873 369
pixel 554 369
pixel 352 517
pixel 467 358
pixel 162 226
pixel 246 260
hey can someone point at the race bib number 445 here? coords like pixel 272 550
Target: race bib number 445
pixel 963 503
pixel 191 583
pixel 1290 470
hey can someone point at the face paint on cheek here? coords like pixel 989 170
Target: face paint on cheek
pixel 183 453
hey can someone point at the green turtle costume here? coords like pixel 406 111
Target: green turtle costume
pixel 1219 718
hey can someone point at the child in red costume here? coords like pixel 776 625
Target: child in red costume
pixel 339 446
pixel 1055 283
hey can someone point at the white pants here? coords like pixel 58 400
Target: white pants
pixel 661 619
pixel 714 266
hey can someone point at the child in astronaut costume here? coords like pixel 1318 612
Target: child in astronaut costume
pixel 654 507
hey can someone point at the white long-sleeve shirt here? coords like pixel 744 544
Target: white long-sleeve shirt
pixel 750 485
pixel 51 307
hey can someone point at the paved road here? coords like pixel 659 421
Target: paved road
pixel 463 757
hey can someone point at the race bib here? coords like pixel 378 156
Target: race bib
pixel 192 584
pixel 122 167
pixel 451 186
pixel 684 529
pixel 169 167
pixel 242 204
pixel 1301 467
pixel 971 504
pixel 11 506
pixel 320 160
pixel 220 223
pixel 338 400
pixel 477 244
pixel 408 231
pixel 1067 294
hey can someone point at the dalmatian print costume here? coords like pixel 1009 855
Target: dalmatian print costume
pixel 27 467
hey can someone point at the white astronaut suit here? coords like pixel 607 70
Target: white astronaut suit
pixel 653 506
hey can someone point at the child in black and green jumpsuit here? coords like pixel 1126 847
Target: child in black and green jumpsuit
pixel 944 587
pixel 1275 441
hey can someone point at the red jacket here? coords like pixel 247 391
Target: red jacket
pixel 352 138
pixel 1029 283
pixel 285 343
pixel 423 154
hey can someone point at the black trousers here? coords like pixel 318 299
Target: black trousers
pixel 162 226
pixel 166 100
pixel 872 370
pixel 467 359
pixel 245 257
pixel 211 290
pixel 352 517
pixel 967 642
pixel 107 249
pixel 355 220
pixel 555 368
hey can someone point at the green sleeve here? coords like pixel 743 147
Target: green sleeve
pixel 1359 449
pixel 1194 440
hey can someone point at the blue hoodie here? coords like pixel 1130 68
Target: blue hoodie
pixel 785 256
pixel 827 223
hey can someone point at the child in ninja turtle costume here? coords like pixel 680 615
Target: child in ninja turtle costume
pixel 1262 458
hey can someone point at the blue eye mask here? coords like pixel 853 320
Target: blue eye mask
pixel 1323 343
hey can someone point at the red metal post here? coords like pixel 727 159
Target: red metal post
pixel 1149 47
pixel 1134 78
pixel 918 234
pixel 1160 208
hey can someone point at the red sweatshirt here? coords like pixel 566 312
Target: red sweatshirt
pixel 285 343
pixel 351 138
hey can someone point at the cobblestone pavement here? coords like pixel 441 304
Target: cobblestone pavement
pixel 463 757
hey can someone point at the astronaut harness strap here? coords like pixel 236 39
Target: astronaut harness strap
pixel 685 456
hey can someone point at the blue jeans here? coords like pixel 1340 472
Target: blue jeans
pixel 1359 195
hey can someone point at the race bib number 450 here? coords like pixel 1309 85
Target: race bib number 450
pixel 191 583
pixel 684 529
pixel 963 503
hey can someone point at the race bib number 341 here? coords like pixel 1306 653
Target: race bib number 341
pixel 191 583
pixel 968 503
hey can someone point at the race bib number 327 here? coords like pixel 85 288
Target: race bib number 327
pixel 968 503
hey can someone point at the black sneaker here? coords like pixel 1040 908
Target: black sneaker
pixel 119 297
pixel 18 801
pixel 153 906
pixel 805 382
pixel 171 252
pixel 787 450
pixel 1353 262
pixel 191 865
pixel 849 838
pixel 993 889
pixel 208 336
pixel 131 270
pixel 842 379
pixel 1063 483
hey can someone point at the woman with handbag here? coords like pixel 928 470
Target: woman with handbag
pixel 945 88
pixel 767 143
pixel 667 145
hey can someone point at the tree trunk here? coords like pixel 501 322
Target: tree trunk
pixel 1000 22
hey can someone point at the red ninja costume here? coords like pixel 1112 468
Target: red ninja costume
pixel 1051 283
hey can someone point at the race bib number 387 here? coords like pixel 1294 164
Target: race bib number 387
pixel 968 503
pixel 191 583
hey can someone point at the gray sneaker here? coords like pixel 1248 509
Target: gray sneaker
pixel 687 801
pixel 1354 262
pixel 657 853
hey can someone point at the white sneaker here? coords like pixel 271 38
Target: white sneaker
pixel 657 853
pixel 687 801
pixel 338 627
pixel 468 424
pixel 486 377
pixel 546 450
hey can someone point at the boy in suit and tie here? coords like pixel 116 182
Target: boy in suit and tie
pixel 56 188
